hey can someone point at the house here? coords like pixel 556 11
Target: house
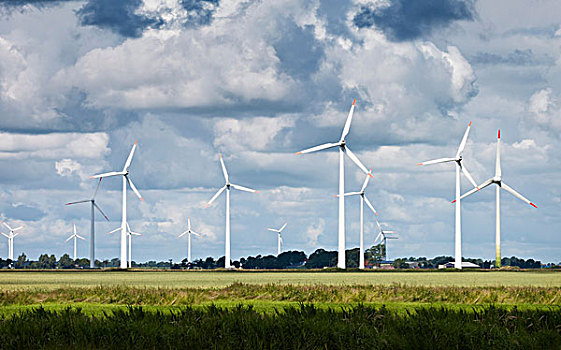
pixel 465 265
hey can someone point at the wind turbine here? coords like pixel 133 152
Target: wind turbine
pixel 458 160
pixel 382 235
pixel 125 174
pixel 189 232
pixel 130 233
pixel 92 222
pixel 497 180
pixel 218 193
pixel 75 236
pixel 362 200
pixel 343 148
pixel 10 236
pixel 279 232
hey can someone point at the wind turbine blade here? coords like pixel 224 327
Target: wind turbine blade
pixel 468 175
pixel 82 238
pixel 366 180
pixel 347 127
pixel 111 173
pixel 516 194
pixel 283 226
pixel 274 230
pixel 377 238
pixel 241 188
pixel 128 227
pixel 5 235
pixel 101 211
pixel 7 226
pixel 379 226
pixel 115 230
pixel 84 201
pixel 392 237
pixel 17 228
pixel 349 194
pixel 183 234
pixel 196 234
pixel 129 159
pixel 370 206
pixel 473 190
pixel 355 159
pixel 135 233
pixel 96 188
pixel 224 171
pixel 15 234
pixel 498 159
pixel 218 193
pixel 390 232
pixel 464 141
pixel 319 148
pixel 436 161
pixel 69 238
pixel 134 188
pixel 188 224
pixel 74 227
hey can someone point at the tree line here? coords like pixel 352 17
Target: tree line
pixel 321 258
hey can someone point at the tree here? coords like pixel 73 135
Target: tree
pixel 322 258
pixel 65 262
pixel 22 261
pixel 351 257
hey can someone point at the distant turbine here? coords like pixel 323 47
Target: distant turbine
pixel 125 174
pixel 362 200
pixel 10 237
pixel 75 236
pixel 458 160
pixel 497 180
pixel 382 235
pixel 218 193
pixel 343 148
pixel 92 222
pixel 129 237
pixel 279 241
pixel 189 232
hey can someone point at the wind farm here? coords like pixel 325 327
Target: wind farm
pixel 280 174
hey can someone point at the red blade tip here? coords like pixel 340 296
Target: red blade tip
pixel 256 192
pixel 135 142
pixel 499 134
pixel 354 101
pixel 469 123
pixel 419 163
pixel 454 201
pixel 298 153
pixel 533 205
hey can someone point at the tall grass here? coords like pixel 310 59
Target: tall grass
pixel 287 293
pixel 303 327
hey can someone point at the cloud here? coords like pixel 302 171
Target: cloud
pixel 314 231
pixel 23 212
pixel 544 109
pixel 402 20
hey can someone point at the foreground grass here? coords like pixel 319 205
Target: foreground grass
pixel 205 279
pixel 239 292
pixel 301 327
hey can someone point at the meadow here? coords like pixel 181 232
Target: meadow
pixel 201 309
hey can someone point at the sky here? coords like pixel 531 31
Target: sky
pixel 257 81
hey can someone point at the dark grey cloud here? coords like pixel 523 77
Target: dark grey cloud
pixel 410 19
pixel 516 58
pixel 121 16
pixel 23 212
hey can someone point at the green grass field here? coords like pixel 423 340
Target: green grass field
pixel 16 280
pixel 133 309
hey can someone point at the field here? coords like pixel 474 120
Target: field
pixel 266 309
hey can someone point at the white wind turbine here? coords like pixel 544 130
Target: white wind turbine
pixel 125 174
pixel 497 180
pixel 75 236
pixel 279 232
pixel 343 148
pixel 458 160
pixel 129 236
pixel 189 232
pixel 13 233
pixel 92 222
pixel 383 236
pixel 218 193
pixel 362 200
